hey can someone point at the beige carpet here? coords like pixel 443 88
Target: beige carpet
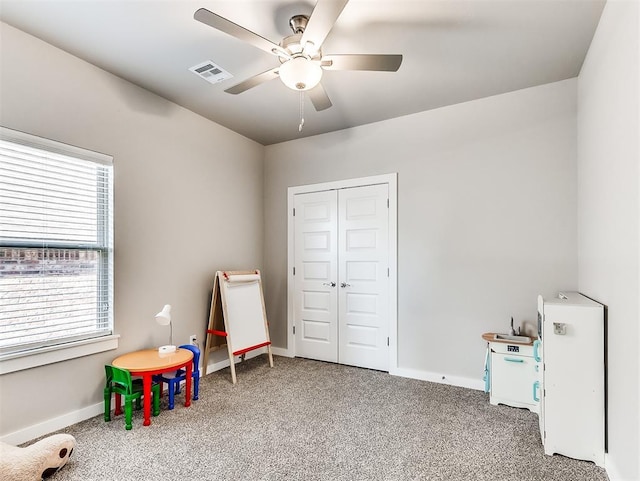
pixel 308 420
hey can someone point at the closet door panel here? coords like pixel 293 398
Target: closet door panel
pixel 363 262
pixel 315 298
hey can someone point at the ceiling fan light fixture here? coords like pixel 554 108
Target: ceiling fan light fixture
pixel 299 73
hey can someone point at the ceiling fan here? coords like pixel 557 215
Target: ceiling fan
pixel 301 59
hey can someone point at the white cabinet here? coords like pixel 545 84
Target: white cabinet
pixel 514 376
pixel 572 419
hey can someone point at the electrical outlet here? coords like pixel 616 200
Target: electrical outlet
pixel 192 339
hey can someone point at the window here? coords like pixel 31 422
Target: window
pixel 56 244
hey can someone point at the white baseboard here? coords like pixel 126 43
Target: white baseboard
pixel 281 351
pixel 612 471
pixel 50 425
pixel 54 424
pixel 276 351
pixel 477 384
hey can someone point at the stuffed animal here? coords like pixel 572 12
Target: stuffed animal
pixel 37 461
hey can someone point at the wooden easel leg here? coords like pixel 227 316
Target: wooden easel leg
pixel 232 363
pixel 233 370
pixel 270 356
pixel 205 361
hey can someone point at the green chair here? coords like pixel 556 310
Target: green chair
pixel 119 382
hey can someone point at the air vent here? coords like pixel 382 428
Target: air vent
pixel 211 72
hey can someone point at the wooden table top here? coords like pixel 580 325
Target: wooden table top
pixel 151 359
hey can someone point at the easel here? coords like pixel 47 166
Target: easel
pixel 237 317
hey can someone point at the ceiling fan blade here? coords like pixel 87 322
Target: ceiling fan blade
pixel 321 21
pixel 378 62
pixel 319 98
pixel 254 81
pixel 227 26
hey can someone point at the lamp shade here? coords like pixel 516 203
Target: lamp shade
pixel 164 316
pixel 299 73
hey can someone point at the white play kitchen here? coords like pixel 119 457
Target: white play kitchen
pixel 560 375
pixel 513 376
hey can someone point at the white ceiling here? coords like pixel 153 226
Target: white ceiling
pixel 454 51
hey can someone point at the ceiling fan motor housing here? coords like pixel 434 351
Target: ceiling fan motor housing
pixel 298 23
pixel 293 46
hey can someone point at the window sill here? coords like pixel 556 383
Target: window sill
pixel 50 355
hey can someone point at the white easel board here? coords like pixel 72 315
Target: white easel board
pixel 237 315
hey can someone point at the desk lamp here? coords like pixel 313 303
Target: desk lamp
pixel 163 318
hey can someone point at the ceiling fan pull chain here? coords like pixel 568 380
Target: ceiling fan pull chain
pixel 301 111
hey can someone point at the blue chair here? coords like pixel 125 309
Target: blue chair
pixel 173 379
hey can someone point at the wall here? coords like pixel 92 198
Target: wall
pixel 173 229
pixel 609 215
pixel 486 217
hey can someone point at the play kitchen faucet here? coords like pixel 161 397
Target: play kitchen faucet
pixel 512 332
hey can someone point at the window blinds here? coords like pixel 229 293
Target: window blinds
pixel 56 243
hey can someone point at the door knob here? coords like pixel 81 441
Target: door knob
pixel 344 284
pixel 332 284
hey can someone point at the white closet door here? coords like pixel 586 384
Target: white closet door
pixel 363 262
pixel 315 299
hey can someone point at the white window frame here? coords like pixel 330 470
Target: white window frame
pixel 16 361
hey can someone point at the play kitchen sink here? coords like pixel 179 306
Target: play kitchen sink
pixel 509 337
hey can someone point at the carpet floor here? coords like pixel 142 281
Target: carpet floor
pixel 309 420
